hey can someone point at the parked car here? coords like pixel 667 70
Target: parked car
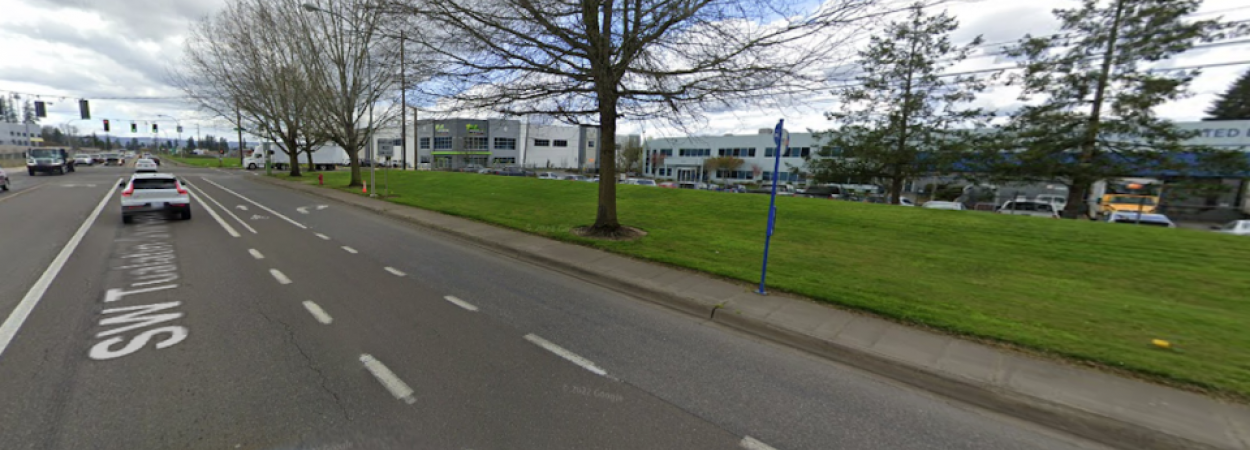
pixel 154 193
pixel 1238 227
pixel 471 168
pixel 594 179
pixel 548 176
pixel 145 166
pixel 573 178
pixel 954 206
pixel 84 159
pixel 1158 220
pixel 1028 208
pixel 4 180
pixel 640 182
pixel 881 199
pixel 1060 201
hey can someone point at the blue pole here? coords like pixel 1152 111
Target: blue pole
pixel 772 202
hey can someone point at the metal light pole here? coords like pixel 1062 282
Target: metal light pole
pixel 403 106
pixel 179 125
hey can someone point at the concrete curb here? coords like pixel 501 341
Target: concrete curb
pixel 999 395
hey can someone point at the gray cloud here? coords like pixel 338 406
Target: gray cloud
pixel 151 20
pixel 149 66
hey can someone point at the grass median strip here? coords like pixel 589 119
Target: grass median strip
pixel 205 161
pixel 1088 291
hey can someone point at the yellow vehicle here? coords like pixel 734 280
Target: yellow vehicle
pixel 1129 196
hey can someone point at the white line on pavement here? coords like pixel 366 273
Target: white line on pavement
pixel 561 352
pixel 229 229
pixel 460 303
pixel 395 271
pixel 388 379
pixel 322 236
pixel 302 210
pixel 255 253
pixel 226 210
pixel 14 322
pixel 317 312
pixel 350 250
pixel 279 276
pixel 236 194
pixel 751 443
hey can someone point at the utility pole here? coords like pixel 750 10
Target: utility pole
pixel 238 119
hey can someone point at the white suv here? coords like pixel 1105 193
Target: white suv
pixel 154 193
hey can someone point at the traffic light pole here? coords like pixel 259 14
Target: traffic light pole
pixel 238 120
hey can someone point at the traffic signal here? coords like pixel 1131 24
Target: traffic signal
pixel 106 125
pixel 134 128
pixel 40 109
pixel 153 128
pixel 179 128
pixel 84 110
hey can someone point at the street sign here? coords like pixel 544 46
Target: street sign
pixel 781 137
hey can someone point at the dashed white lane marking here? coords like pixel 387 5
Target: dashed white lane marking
pixel 255 253
pixel 279 276
pixel 236 194
pixel 395 271
pixel 561 352
pixel 317 312
pixel 388 379
pixel 460 303
pixel 9 328
pixel 226 226
pixel 322 236
pixel 321 207
pixel 751 443
pixel 350 250
pixel 226 210
pixel 242 207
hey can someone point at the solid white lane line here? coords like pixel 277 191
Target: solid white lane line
pixel 322 236
pixel 255 254
pixel 258 205
pixel 561 352
pixel 279 276
pixel 395 271
pixel 229 229
pixel 460 303
pixel 350 250
pixel 317 312
pixel 751 443
pixel 14 322
pixel 388 379
pixel 225 209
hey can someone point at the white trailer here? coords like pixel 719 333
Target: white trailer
pixel 326 157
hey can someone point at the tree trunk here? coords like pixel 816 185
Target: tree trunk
pixel 896 190
pixel 354 161
pixel 605 218
pixel 311 167
pixel 1078 198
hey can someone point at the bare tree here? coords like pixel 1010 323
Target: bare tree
pixel 629 157
pixel 355 67
pixel 248 58
pixel 596 61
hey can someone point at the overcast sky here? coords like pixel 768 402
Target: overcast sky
pixel 111 50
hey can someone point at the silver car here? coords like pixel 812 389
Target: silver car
pixel 159 193
pixel 145 165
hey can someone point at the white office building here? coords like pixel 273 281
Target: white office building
pixel 682 158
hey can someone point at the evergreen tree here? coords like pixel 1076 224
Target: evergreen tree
pixel 903 119
pixel 1233 104
pixel 1096 117
pixel 28 113
pixel 191 143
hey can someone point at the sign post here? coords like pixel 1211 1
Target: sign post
pixel 782 138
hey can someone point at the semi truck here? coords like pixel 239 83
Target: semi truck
pixel 326 157
pixel 48 160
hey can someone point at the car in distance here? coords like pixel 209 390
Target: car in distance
pixel 145 166
pixel 84 159
pixel 936 204
pixel 1237 227
pixel 1028 208
pixel 4 180
pixel 548 176
pixel 159 193
pixel 1152 219
pixel 48 160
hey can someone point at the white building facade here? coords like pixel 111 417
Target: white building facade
pixel 682 158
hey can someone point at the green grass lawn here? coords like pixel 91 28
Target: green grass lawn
pixel 204 161
pixel 1087 291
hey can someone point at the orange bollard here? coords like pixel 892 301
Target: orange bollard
pixel 364 188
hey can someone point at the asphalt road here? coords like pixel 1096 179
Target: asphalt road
pixel 324 326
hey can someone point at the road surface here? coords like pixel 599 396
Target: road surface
pixel 277 320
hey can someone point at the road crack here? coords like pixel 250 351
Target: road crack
pixel 308 359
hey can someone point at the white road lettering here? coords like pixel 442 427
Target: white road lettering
pixel 102 350
pixel 302 210
pixel 138 317
pixel 113 295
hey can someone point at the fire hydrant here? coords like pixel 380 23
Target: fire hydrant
pixel 320 179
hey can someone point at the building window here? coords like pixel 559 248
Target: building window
pixel 560 143
pixel 768 151
pixel 505 143
pixel 694 152
pixel 424 142
pixel 442 143
pixel 666 151
pixel 542 143
pixel 737 152
pixel 797 152
pixel 475 143
pixel 590 143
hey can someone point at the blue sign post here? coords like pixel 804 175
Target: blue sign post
pixel 782 138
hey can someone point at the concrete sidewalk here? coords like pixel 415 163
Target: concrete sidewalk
pixel 1116 411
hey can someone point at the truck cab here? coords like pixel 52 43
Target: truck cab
pixel 48 160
